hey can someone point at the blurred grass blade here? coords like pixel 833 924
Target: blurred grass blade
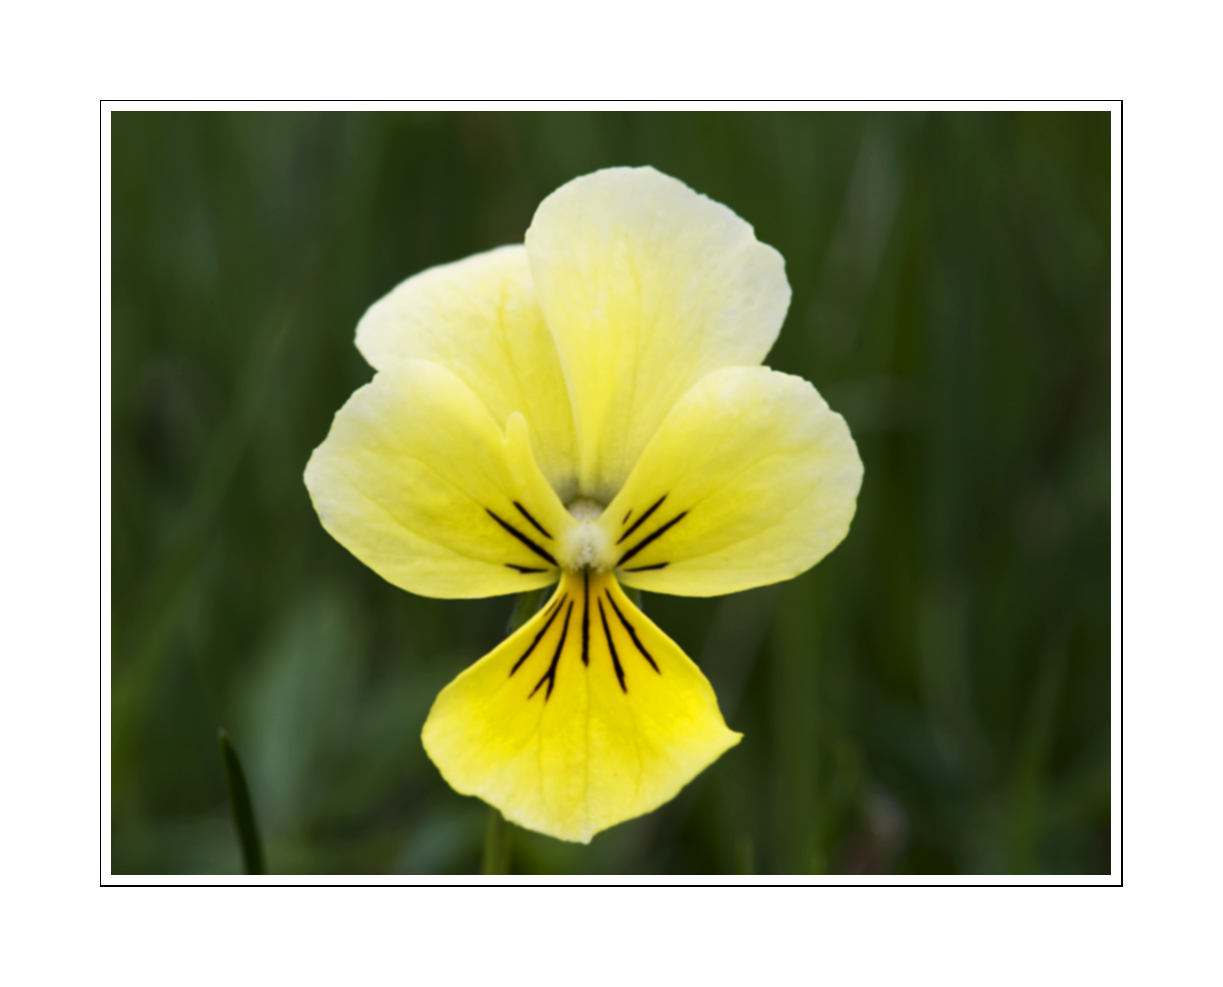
pixel 240 803
pixel 496 843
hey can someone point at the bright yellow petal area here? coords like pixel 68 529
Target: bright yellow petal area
pixel 646 286
pixel 419 483
pixel 589 715
pixel 750 480
pixel 479 319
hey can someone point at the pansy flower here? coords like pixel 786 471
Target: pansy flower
pixel 587 410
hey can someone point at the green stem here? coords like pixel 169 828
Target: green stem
pixel 496 843
pixel 745 855
pixel 240 803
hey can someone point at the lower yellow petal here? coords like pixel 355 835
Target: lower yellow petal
pixel 587 716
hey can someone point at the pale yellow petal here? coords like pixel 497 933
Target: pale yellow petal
pixel 646 287
pixel 479 318
pixel 750 480
pixel 419 483
pixel 589 715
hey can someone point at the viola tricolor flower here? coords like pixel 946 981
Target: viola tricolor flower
pixel 586 410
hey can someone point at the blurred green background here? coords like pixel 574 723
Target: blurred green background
pixel 932 698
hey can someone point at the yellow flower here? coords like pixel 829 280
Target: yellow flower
pixel 589 410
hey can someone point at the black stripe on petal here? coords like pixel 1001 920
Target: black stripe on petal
pixel 641 520
pixel 550 675
pixel 538 637
pixel 586 617
pixel 526 514
pixel 612 646
pixel 632 632
pixel 651 538
pixel 542 553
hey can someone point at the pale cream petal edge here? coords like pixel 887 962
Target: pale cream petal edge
pixel 646 287
pixel 478 318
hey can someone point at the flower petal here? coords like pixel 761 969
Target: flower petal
pixel 479 319
pixel 418 482
pixel 750 480
pixel 587 716
pixel 646 286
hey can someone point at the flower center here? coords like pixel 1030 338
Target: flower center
pixel 584 545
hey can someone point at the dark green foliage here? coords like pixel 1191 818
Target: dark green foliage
pixel 933 697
